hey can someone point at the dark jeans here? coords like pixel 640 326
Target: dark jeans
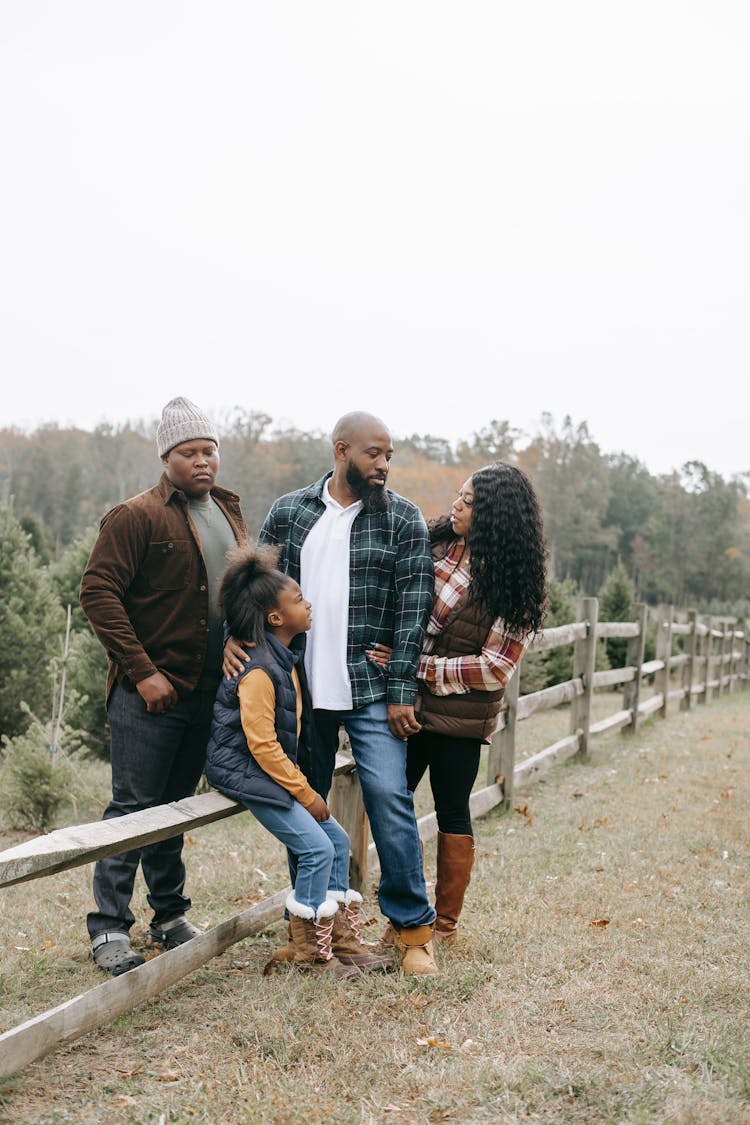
pixel 155 759
pixel 380 758
pixel 453 764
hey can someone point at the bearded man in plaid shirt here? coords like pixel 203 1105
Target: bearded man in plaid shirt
pixel 361 554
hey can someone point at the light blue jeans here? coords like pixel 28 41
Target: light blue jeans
pixel 380 758
pixel 318 849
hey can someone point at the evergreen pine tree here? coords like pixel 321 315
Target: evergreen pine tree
pixel 32 625
pixel 616 604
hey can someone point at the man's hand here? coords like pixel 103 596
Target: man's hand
pixel 402 720
pixel 234 657
pixel 157 693
pixel 319 809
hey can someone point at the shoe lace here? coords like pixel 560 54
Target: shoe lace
pixel 324 937
pixel 352 917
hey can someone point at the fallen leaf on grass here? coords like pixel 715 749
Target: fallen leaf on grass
pixel 523 810
pixel 129 1072
pixel 124 1099
pixel 558 1003
pixel 598 823
pixel 600 922
pixel 167 1075
pixel 433 1041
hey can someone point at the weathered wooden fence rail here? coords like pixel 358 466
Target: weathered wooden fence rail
pixel 714 659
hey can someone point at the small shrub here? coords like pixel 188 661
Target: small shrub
pixel 35 783
pixel 616 604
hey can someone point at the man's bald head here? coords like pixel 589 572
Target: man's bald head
pixel 357 424
pixel 362 451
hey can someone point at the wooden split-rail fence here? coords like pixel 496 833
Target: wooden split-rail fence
pixel 714 659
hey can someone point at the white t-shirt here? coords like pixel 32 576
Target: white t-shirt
pixel 324 579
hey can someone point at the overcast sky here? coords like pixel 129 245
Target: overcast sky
pixel 445 213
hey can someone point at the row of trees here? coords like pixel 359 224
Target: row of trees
pixel 683 537
pixel 613 529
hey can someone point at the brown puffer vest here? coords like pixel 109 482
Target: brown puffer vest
pixel 473 714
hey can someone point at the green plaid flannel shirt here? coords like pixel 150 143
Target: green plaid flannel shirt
pixel 390 585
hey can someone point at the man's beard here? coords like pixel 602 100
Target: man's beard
pixel 373 496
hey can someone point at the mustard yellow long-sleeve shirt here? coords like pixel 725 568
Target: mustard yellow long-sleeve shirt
pixel 258 716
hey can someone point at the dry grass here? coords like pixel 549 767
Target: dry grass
pixel 541 1014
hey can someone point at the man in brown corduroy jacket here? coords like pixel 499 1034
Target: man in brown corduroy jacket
pixel 150 592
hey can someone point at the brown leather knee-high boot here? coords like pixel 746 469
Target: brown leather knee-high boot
pixel 455 859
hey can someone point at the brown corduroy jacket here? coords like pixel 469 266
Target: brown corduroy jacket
pixel 145 587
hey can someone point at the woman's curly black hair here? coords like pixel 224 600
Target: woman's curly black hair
pixel 250 590
pixel 507 545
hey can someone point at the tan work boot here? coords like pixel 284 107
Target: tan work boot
pixel 311 935
pixel 455 859
pixel 415 947
pixel 348 944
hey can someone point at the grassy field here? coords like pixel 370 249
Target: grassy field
pixel 603 975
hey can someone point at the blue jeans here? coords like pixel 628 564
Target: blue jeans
pixel 155 759
pixel 319 850
pixel 380 758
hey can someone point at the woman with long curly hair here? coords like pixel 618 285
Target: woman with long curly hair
pixel 490 598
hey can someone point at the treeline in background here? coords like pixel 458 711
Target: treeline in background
pixel 614 530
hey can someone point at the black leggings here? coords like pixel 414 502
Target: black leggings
pixel 453 764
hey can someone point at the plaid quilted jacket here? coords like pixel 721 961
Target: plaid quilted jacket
pixel 390 585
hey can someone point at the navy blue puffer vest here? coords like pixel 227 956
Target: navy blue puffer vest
pixel 230 767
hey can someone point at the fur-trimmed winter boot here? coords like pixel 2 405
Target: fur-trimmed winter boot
pixel 415 947
pixel 311 934
pixel 455 859
pixel 348 944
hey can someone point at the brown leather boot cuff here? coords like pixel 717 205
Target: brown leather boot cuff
pixel 419 935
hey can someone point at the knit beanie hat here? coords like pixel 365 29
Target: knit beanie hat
pixel 181 420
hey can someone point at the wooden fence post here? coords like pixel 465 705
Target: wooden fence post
pixel 501 761
pixel 664 652
pixel 584 664
pixel 722 646
pixel 631 695
pixel 688 672
pixel 349 810
pixel 731 685
pixel 706 647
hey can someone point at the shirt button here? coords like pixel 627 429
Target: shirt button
pixel 203 589
pixel 203 621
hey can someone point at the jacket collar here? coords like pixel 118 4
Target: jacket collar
pixel 168 492
pixel 287 657
pixel 315 491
